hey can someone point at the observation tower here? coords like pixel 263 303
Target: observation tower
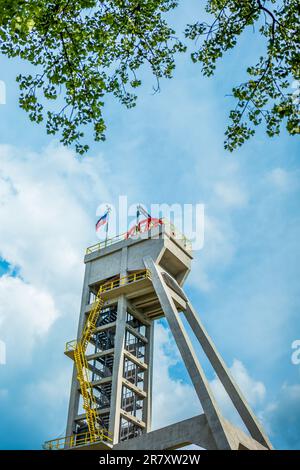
pixel 130 282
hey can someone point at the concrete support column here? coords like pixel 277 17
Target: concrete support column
pixel 116 391
pixel 123 264
pixel 190 359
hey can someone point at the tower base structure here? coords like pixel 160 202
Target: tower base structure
pixel 188 432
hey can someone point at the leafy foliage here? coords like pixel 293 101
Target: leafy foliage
pixel 87 49
pixel 267 96
pixel 84 50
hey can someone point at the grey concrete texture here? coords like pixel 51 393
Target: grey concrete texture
pixel 163 249
pixel 162 253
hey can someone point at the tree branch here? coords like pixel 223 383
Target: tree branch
pixel 274 20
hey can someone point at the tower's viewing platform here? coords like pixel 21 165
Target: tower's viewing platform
pixel 117 267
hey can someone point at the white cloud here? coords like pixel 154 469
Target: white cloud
pixel 174 400
pixel 45 212
pixel 3 393
pixel 282 179
pixel 219 248
pixel 53 394
pixel 253 390
pixel 47 205
pixel 282 416
pixel 218 251
pixel 26 314
pixel 224 189
pixel 230 194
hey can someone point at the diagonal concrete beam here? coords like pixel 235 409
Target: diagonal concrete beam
pixel 189 357
pixel 218 364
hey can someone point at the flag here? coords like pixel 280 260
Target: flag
pixel 102 221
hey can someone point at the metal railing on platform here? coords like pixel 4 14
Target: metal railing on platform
pixel 77 440
pixel 124 280
pixel 105 243
pixel 171 230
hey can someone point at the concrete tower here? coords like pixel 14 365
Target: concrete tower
pixel 129 283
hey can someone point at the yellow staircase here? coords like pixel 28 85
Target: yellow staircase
pixel 89 402
pixel 79 348
pixel 77 351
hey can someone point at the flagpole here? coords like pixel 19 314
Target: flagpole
pixel 137 217
pixel 106 232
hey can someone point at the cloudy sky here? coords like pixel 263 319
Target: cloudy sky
pixel 244 282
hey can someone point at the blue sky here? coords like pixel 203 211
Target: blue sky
pixel 168 149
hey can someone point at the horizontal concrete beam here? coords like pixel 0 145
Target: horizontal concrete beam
pixel 103 381
pixel 138 315
pixel 88 307
pixel 98 383
pixel 135 360
pixel 132 418
pixel 134 388
pixel 135 333
pixel 82 416
pixel 107 352
pixel 191 431
pixel 104 327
